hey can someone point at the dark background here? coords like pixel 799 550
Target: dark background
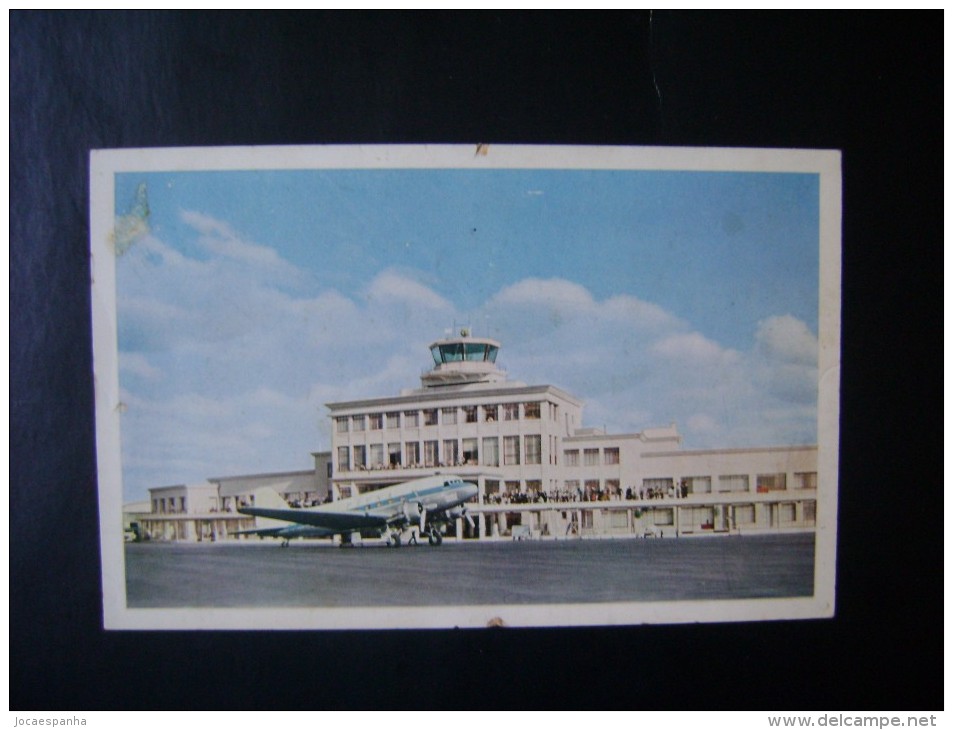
pixel 870 85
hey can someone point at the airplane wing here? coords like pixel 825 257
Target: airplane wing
pixel 336 521
pixel 261 532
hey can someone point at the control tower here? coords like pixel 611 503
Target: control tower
pixel 463 360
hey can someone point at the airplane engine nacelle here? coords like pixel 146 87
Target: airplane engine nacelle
pixel 460 511
pixel 414 513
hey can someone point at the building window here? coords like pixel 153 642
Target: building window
pixel 733 483
pixel 449 416
pixel 511 411
pixel 534 448
pixel 611 456
pixel 787 512
pixel 360 457
pixel 492 487
pixel 376 421
pixel 531 411
pixel 572 457
pixel 805 480
pixel 470 414
pixel 377 456
pixel 393 454
pixel 412 449
pixel 810 511
pixel 431 457
pixel 341 422
pixel 470 453
pixel 663 517
pixel 592 491
pixel 411 419
pixel 491 413
pixel 613 489
pixel 772 482
pixel 698 485
pixel 744 514
pixel 512 487
pixel 511 450
pixel 491 451
pixel 430 417
pixel 592 457
pixel 572 486
pixel 393 420
pixel 343 461
pixel 534 486
pixel 657 488
pixel 358 422
pixel 450 456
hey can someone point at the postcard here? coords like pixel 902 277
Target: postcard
pixel 386 387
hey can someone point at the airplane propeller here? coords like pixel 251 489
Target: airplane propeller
pixel 423 517
pixel 462 511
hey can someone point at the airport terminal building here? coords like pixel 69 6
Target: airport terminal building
pixel 540 473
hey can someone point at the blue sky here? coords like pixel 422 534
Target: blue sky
pixel 247 300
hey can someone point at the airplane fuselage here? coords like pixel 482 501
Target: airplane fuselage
pixel 425 504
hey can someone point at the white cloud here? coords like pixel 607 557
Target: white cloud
pixel 693 348
pixel 787 339
pixel 389 288
pixel 219 239
pixel 138 365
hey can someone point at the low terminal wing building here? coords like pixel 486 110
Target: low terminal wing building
pixel 540 473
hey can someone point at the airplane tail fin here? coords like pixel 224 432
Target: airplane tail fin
pixel 268 498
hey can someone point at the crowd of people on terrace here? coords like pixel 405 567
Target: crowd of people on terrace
pixel 586 495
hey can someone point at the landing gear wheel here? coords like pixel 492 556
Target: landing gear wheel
pixel 434 538
pixel 396 540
